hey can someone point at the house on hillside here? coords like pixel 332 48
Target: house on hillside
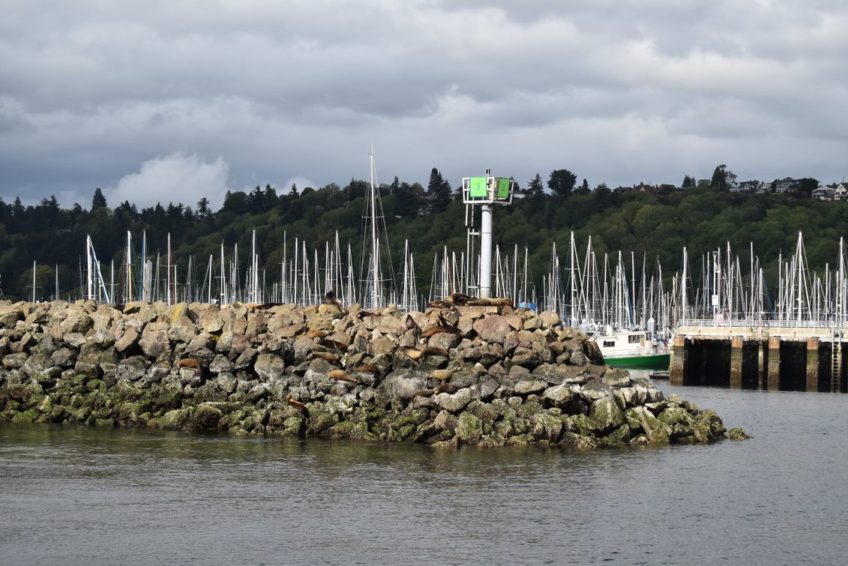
pixel 785 184
pixel 841 192
pixel 823 193
pixel 753 186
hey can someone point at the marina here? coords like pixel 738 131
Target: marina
pixel 715 325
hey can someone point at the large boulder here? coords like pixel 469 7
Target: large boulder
pixel 404 384
pixel 455 402
pixel 269 367
pixel 492 328
pixel 606 414
pixel 154 340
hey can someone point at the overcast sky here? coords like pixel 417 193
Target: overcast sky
pixel 186 99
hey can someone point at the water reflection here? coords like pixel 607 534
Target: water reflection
pixel 159 497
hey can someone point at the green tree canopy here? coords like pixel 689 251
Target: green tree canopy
pixel 561 182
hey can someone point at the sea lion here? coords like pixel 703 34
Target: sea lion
pixel 338 346
pixel 341 375
pixel 295 403
pixel 410 324
pixel 433 351
pixel 413 353
pixel 448 388
pixel 440 305
pixel 441 374
pixel 490 303
pixel 330 299
pixel 312 334
pixel 459 299
pixel 433 330
pixel 413 326
pixel 188 363
pixel 367 368
pixel 326 356
pixel 364 313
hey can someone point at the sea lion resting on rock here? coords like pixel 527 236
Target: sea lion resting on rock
pixel 367 368
pixel 188 363
pixel 439 329
pixel 341 375
pixel 326 356
pixel 448 388
pixel 296 404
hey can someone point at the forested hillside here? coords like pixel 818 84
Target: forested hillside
pixel 657 224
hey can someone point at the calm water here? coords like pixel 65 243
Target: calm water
pixel 79 496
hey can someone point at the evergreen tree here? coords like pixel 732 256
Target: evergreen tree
pixel 722 178
pixel 98 200
pixel 439 191
pixel 535 185
pixel 203 208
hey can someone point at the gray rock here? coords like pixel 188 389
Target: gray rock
pixel 488 388
pixel 191 376
pixel 76 321
pixel 269 367
pixel 206 416
pixel 444 340
pixel 606 414
pixel 227 382
pixel 492 328
pixel 221 364
pixel 257 392
pixel 245 358
pixel 15 361
pixel 596 389
pixel 74 339
pixel 559 394
pixel 616 377
pixel 526 357
pixel 403 384
pixel 128 339
pixel 154 340
pixel 182 330
pixel 131 369
pixel 526 386
pixel 454 402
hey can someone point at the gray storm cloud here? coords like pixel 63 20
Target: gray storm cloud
pixel 235 94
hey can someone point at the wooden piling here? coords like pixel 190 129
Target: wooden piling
pixel 678 360
pixel 761 366
pixel 813 364
pixel 736 362
pixel 773 363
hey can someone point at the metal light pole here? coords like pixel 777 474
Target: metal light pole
pixel 485 191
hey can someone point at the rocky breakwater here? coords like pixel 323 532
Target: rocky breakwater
pixel 451 376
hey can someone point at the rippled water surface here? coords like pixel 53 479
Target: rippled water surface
pixel 84 496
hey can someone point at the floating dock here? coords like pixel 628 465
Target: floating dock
pixel 779 357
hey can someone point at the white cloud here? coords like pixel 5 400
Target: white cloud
pixel 177 178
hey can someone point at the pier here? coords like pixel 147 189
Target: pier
pixel 767 355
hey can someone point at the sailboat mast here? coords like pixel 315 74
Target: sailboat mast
pixel 375 256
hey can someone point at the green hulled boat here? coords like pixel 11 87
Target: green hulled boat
pixel 651 361
pixel 635 349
